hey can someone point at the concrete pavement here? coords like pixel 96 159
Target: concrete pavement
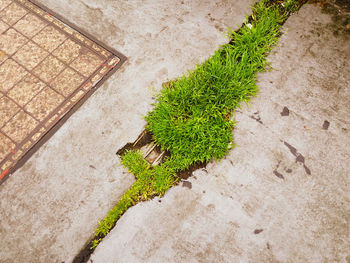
pixel 50 207
pixel 283 194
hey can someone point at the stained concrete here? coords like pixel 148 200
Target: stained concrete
pixel 282 195
pixel 50 207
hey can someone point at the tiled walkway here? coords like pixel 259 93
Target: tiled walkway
pixel 46 67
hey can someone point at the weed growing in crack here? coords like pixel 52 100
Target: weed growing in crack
pixel 192 118
pixel 150 181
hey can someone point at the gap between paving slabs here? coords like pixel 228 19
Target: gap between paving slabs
pixel 191 122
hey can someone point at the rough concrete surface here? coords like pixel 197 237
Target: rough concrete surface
pixel 282 195
pixel 50 207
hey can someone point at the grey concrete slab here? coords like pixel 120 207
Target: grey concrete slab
pixel 50 207
pixel 282 195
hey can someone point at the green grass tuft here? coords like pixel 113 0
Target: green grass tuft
pixel 192 117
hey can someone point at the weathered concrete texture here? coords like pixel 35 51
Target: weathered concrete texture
pixel 50 207
pixel 283 194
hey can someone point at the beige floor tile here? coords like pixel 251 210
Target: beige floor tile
pixel 3 56
pixel 68 51
pixel 10 73
pixel 6 145
pixel 67 82
pixel 11 41
pixel 25 90
pixel 12 13
pixel 49 69
pixel 30 25
pixel 30 55
pixel 20 126
pixel 3 26
pixel 49 38
pixel 44 103
pixel 4 3
pixel 7 110
pixel 87 62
